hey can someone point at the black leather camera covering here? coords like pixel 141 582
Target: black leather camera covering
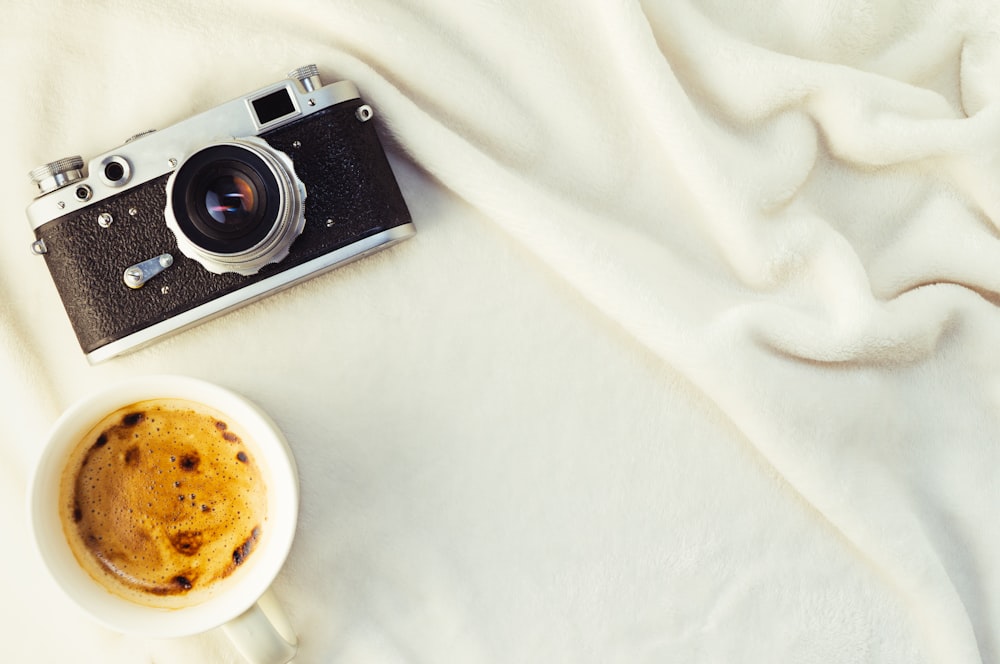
pixel 347 178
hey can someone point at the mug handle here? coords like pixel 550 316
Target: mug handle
pixel 263 634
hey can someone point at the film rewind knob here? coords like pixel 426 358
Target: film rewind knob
pixel 308 76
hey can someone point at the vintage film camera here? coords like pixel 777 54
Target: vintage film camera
pixel 215 212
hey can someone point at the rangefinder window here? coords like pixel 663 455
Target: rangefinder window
pixel 273 107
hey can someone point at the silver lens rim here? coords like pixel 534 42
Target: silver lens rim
pixel 287 226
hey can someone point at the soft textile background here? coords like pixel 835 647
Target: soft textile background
pixel 694 357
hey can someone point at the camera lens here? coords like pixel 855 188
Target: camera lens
pixel 230 199
pixel 229 205
pixel 235 207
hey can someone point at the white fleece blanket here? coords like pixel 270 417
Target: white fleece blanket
pixel 695 356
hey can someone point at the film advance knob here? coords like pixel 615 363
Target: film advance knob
pixel 56 174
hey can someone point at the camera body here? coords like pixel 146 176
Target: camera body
pixel 180 225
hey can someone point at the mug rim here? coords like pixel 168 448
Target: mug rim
pixel 274 457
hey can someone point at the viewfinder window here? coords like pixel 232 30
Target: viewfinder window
pixel 273 106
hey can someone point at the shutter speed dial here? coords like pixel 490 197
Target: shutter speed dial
pixel 57 174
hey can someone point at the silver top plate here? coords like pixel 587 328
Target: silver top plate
pixel 151 155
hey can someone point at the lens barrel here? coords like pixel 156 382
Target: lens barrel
pixel 235 206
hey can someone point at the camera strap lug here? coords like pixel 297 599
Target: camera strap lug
pixel 364 113
pixel 38 247
pixel 137 275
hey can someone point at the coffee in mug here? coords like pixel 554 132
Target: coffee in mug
pixel 166 506
pixel 163 500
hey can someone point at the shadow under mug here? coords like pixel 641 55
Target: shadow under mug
pixel 245 608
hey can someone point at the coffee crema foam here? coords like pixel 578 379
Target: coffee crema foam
pixel 163 500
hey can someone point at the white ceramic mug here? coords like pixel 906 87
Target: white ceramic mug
pixel 246 609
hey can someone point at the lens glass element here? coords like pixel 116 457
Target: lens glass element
pixel 226 199
pixel 230 199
